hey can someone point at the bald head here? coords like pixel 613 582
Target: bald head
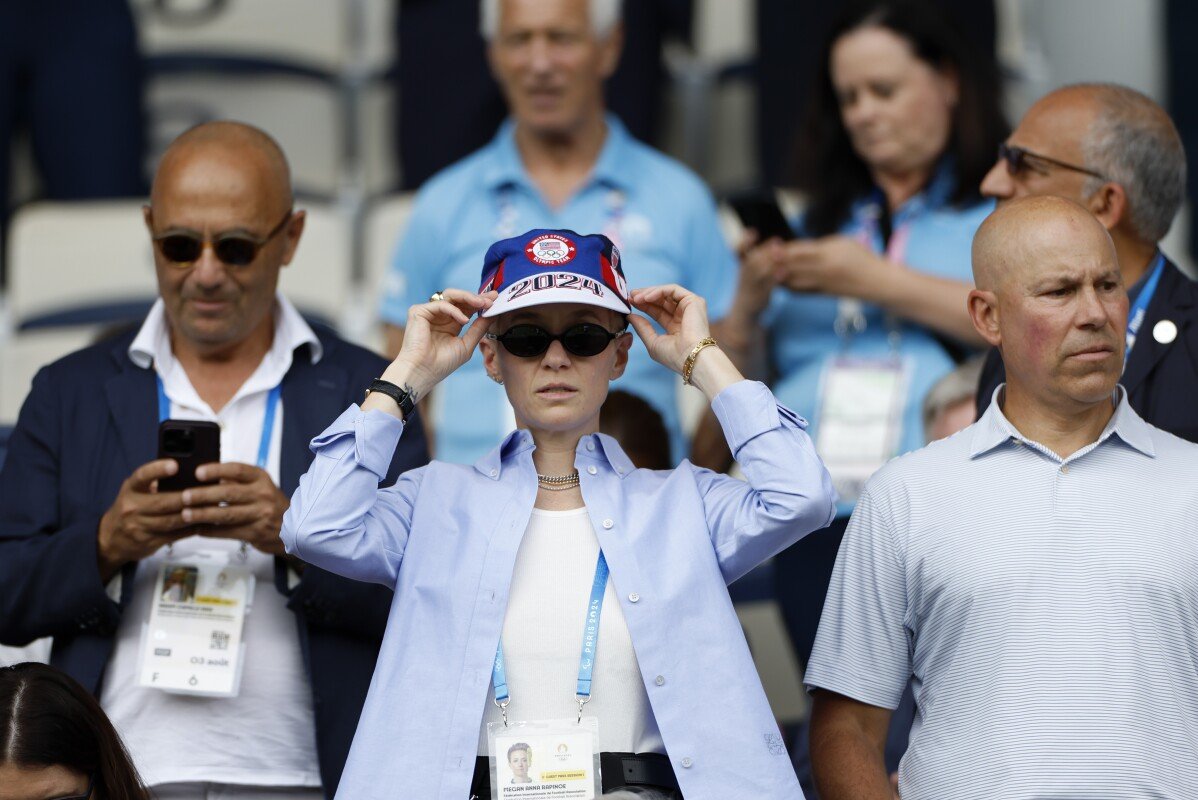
pixel 1012 242
pixel 234 146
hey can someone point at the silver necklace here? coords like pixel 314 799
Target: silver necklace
pixel 558 483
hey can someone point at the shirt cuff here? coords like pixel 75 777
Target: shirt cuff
pixel 375 435
pixel 113 587
pixel 747 409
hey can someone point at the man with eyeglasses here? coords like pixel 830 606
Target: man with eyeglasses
pixel 89 534
pixel 1117 153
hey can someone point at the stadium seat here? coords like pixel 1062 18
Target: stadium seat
pixel 85 263
pixel 27 352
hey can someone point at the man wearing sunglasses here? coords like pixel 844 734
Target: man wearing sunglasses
pixel 560 161
pixel 85 532
pixel 1117 153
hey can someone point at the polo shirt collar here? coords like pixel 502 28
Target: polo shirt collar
pixel 507 168
pixel 994 429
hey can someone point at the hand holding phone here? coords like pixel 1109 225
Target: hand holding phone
pixel 760 211
pixel 190 443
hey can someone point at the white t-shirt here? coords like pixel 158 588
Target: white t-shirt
pixel 542 639
pixel 266 735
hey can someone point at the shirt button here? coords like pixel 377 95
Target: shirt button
pixel 634 598
pixel 660 680
pixel 591 446
pixel 591 470
pixel 608 524
pixel 494 472
pixel 686 762
pixel 1064 469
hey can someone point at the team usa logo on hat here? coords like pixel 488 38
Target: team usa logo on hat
pixel 554 266
pixel 551 249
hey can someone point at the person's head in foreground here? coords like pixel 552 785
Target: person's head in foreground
pixel 222 224
pixel 898 90
pixel 1107 147
pixel 519 758
pixel 1050 297
pixel 556 284
pixel 56 742
pixel 553 311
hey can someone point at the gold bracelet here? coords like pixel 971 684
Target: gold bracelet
pixel 689 365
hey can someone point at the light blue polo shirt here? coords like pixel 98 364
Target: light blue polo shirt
pixel 803 340
pixel 660 215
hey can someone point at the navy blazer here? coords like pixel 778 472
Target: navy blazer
pixel 1161 379
pixel 91 418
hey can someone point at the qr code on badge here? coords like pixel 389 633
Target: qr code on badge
pixel 220 641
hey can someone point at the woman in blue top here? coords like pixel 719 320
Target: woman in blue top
pixel 500 569
pixel 858 316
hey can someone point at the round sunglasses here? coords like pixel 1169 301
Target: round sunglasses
pixel 526 341
pixel 234 249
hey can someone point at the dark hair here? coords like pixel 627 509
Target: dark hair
pixel 47 720
pixel 831 173
pixel 638 428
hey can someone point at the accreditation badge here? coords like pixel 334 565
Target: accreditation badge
pixel 193 641
pixel 860 419
pixel 545 759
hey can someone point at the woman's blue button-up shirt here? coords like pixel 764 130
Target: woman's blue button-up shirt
pixel 445 537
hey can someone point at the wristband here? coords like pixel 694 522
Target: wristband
pixel 402 398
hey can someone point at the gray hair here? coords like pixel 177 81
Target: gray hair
pixel 1134 143
pixel 604 16
pixel 956 387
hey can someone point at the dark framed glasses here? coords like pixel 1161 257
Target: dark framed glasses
pixel 91 784
pixel 234 249
pixel 526 341
pixel 1016 159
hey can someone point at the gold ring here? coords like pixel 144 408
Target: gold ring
pixel 436 297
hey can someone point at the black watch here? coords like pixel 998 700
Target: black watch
pixel 402 399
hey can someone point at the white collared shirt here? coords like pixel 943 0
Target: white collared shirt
pixel 266 735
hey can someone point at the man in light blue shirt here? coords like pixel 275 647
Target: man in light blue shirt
pixel 559 162
pixel 1032 575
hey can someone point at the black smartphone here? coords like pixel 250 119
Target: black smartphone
pixel 191 443
pixel 760 212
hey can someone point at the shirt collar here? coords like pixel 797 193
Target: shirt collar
pixel 935 195
pixel 152 345
pixel 507 168
pixel 605 450
pixel 994 429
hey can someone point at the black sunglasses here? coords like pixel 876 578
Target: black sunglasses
pixel 91 784
pixel 1016 159
pixel 234 249
pixel 583 340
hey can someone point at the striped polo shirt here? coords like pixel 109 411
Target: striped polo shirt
pixel 1045 610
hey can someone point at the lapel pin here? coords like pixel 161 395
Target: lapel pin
pixel 1164 331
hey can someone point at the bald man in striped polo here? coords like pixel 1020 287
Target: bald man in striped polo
pixel 1035 576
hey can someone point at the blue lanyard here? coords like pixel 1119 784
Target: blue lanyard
pixel 268 420
pixel 1135 317
pixel 590 644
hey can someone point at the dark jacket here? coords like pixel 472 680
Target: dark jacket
pixel 91 418
pixel 1161 379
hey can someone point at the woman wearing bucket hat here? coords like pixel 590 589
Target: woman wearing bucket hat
pixel 551 595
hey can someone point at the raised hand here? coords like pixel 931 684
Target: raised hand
pixel 433 343
pixel 683 315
